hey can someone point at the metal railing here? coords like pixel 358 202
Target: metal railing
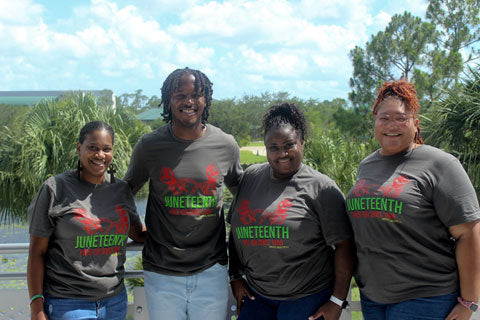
pixel 14 302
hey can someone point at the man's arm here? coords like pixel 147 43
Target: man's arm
pixel 137 173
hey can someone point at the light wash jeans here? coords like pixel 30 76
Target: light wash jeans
pixel 197 297
pixel 114 308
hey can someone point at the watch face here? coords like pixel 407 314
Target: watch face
pixel 344 304
pixel 474 307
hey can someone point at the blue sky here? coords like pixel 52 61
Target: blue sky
pixel 244 47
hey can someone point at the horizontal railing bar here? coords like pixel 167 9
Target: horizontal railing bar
pixel 12 248
pixel 129 274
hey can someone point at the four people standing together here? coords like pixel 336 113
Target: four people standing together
pixel 408 229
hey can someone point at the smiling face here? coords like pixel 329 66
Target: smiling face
pixel 284 150
pixel 96 153
pixel 187 105
pixel 395 127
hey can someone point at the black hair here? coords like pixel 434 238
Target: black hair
pixel 285 113
pixel 203 86
pixel 92 126
pixel 89 128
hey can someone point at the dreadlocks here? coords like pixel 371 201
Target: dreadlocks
pixel 203 86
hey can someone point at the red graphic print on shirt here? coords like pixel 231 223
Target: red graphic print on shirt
pixel 120 225
pixel 90 224
pixel 208 187
pixel 396 187
pixel 248 215
pixel 100 240
pixel 176 186
pixel 392 190
pixel 376 201
pixel 190 197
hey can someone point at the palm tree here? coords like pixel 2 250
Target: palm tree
pixel 337 157
pixel 44 144
pixel 454 125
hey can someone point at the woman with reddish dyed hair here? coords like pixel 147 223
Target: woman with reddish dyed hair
pixel 415 217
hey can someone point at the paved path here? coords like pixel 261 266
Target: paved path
pixel 259 151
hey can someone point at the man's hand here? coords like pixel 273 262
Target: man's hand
pixel 240 290
pixel 328 311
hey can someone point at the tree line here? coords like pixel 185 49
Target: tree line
pixel 438 55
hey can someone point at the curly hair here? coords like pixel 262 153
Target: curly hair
pixel 203 86
pixel 285 113
pixel 406 93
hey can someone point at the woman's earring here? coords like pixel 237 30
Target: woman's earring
pixel 79 168
pixel 111 170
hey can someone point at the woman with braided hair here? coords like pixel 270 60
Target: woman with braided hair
pixel 290 251
pixel 415 215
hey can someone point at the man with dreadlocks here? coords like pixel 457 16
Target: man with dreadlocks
pixel 186 162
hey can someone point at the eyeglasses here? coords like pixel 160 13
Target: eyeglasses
pixel 384 119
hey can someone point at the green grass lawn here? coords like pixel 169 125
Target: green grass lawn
pixel 355 296
pixel 249 157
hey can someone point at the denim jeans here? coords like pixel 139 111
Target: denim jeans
pixel 437 307
pixel 114 308
pixel 200 296
pixel 263 308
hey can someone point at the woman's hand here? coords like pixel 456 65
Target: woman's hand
pixel 36 310
pixel 459 312
pixel 240 290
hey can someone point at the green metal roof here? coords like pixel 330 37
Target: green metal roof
pixel 23 101
pixel 150 114
pixel 30 98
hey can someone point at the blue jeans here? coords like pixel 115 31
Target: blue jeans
pixel 199 297
pixel 421 308
pixel 263 308
pixel 114 308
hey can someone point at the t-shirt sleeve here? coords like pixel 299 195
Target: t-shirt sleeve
pixel 454 197
pixel 137 173
pixel 40 223
pixel 232 178
pixel 132 208
pixel 335 224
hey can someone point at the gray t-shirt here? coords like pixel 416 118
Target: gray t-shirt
pixel 282 231
pixel 184 216
pixel 400 209
pixel 88 229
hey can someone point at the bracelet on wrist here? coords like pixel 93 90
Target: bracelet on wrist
pixel 235 277
pixel 468 304
pixel 37 296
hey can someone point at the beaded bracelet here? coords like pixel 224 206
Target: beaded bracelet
pixel 35 297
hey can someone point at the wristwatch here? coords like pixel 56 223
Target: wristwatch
pixel 341 303
pixel 468 304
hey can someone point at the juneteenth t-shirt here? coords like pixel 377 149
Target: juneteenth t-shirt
pixel 184 216
pixel 88 228
pixel 283 231
pixel 400 208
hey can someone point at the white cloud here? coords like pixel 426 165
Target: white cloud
pixel 20 11
pixel 249 45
